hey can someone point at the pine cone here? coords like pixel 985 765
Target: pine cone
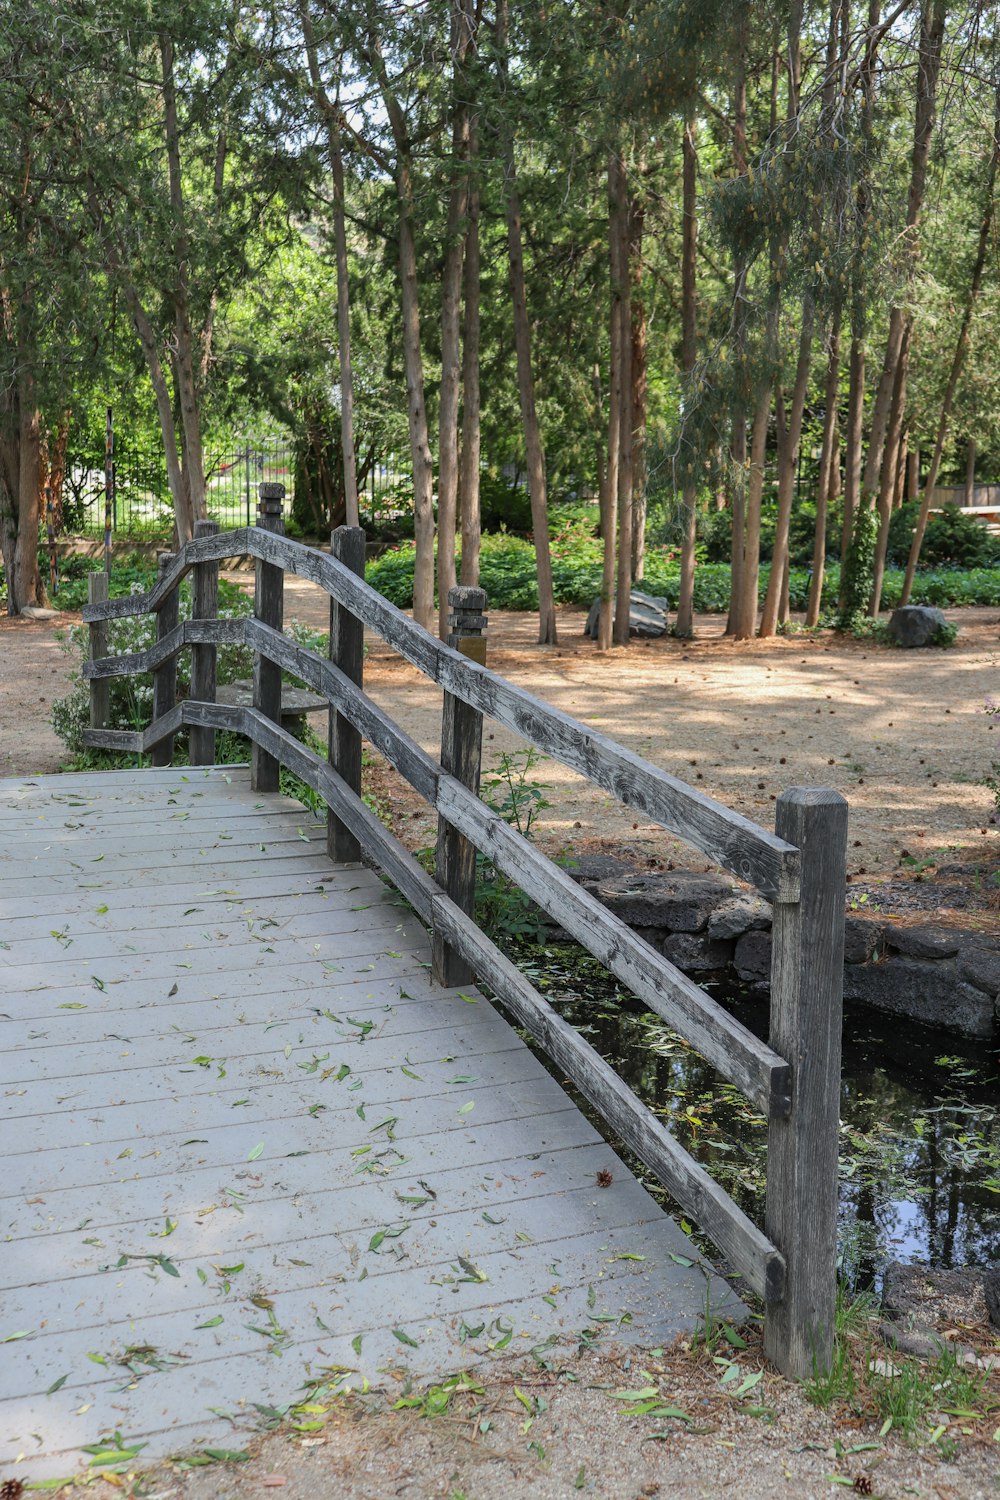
pixel 863 1484
pixel 11 1489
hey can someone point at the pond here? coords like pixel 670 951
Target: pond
pixel 920 1118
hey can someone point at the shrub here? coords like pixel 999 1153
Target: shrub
pixel 952 539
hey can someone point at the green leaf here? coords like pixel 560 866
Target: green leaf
pixel 212 1322
pixel 356 1344
pixel 57 1385
pixel 465 1108
pixel 11 1338
pixel 258 1150
pixel 404 1338
pixel 98 983
pixel 749 1383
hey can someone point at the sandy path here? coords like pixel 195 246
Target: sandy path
pixel 901 734
pixel 34 670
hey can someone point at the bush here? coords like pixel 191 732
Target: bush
pixel 953 538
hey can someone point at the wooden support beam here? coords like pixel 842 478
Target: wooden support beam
pixel 268 608
pixel 165 676
pixel 205 606
pixel 100 689
pixel 461 757
pixel 807 986
pixel 347 635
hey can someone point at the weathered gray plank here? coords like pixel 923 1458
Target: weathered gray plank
pixel 268 607
pixel 201 549
pixel 204 609
pixel 165 676
pixel 97 593
pixel 461 757
pixel 347 545
pixel 807 988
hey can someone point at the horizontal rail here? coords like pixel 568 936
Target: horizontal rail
pixel 139 741
pixel 187 633
pixel 750 1251
pixel 199 549
pixel 747 851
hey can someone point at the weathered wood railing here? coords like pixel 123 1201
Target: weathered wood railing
pixel 795 1080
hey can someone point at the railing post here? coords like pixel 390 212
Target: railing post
pixel 347 632
pixel 461 754
pixel 165 677
pixel 204 606
pixel 100 687
pixel 807 988
pixel 269 609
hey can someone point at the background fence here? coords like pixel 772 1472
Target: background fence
pixel 142 503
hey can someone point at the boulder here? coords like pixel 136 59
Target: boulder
pixel 679 900
pixel 696 952
pixel 927 991
pixel 980 965
pixel 737 915
pixel 862 940
pixel 752 958
pixel 36 612
pixel 923 942
pixel 647 615
pixel 915 625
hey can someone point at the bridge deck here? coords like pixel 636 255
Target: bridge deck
pixel 240 1123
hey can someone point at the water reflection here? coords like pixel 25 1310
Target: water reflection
pixel 920 1131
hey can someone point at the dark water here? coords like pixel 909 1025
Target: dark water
pixel 920 1111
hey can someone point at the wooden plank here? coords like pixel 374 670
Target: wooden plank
pixel 165 676
pixel 713 1209
pixel 200 549
pixel 461 757
pixel 741 1057
pixel 187 633
pixel 100 695
pixel 347 544
pixel 265 769
pixel 204 608
pixel 807 987
pixel 740 846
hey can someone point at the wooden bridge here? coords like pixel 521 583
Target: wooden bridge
pixel 263 1135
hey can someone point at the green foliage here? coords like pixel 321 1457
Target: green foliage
pixel 502 908
pixel 859 568
pixel 953 538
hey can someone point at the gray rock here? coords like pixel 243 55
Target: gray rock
pixel 980 965
pixel 991 1291
pixel 921 1297
pixel 740 914
pixel 679 900
pixel 923 942
pixel 696 952
pixel 915 625
pixel 35 612
pixel 929 992
pixel 590 869
pixel 862 940
pixel 752 958
pixel 647 615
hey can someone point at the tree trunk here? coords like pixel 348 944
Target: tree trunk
pixel 416 408
pixel 746 622
pixel 534 452
pixel 618 228
pixel 913 474
pixel 825 491
pixel 609 520
pixel 184 351
pixel 684 622
pixel 331 117
pixel 640 380
pixel 969 498
pixel 789 439
pixel 887 480
pixel 738 443
pixel 471 434
pixel 451 296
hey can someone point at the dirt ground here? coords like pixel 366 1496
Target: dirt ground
pixel 34 671
pixel 902 734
